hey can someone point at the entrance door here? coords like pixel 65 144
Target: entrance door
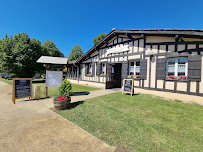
pixel 113 78
pixel 117 75
pixel 109 76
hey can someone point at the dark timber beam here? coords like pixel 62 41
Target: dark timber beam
pixel 195 33
pixel 182 40
pixel 177 40
pixel 173 43
pixel 192 50
pixel 129 35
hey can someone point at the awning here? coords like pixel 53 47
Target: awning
pixel 52 60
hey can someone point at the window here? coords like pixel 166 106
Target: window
pixel 103 68
pixel 177 67
pixel 90 69
pixel 134 68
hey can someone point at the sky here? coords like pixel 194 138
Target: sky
pixel 71 22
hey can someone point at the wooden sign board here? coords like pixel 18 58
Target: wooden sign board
pixel 128 86
pixel 22 88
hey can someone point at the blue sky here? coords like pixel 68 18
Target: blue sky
pixel 73 22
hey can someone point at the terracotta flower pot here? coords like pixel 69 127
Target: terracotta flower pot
pixel 62 105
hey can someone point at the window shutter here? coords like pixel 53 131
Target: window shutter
pixel 93 69
pixel 98 72
pixel 161 68
pixel 194 67
pixel 109 69
pixel 86 69
pixel 124 69
pixel 143 69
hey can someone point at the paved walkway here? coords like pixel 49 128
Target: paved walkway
pixel 32 126
pixel 174 96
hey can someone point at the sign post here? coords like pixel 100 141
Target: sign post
pixel 128 86
pixel 22 88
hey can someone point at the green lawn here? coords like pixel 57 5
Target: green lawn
pixel 7 81
pixel 141 123
pixel 54 90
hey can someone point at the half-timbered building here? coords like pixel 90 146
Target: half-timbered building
pixel 158 59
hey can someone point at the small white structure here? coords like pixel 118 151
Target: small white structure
pixel 52 60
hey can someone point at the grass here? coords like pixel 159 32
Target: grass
pixel 10 82
pixel 52 91
pixel 141 123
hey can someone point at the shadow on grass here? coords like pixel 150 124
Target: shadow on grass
pixel 27 100
pixel 80 93
pixel 134 94
pixel 75 104
pixel 38 81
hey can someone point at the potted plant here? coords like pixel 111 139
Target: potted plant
pixel 129 77
pixel 183 77
pixel 172 77
pixel 179 78
pixel 61 102
pixel 63 99
pixel 136 76
pixel 89 75
pixel 103 75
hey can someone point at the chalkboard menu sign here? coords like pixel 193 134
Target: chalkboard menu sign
pixel 22 88
pixel 128 86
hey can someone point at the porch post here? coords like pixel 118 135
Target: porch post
pixel 78 73
pixel 72 73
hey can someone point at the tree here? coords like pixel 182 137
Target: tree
pixel 76 52
pixel 50 48
pixel 98 38
pixel 18 54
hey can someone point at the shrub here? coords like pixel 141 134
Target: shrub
pixel 57 96
pixel 65 89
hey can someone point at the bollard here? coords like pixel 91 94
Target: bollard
pixel 37 91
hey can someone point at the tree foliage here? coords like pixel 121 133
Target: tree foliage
pixel 66 88
pixel 18 54
pixel 50 48
pixel 76 52
pixel 98 38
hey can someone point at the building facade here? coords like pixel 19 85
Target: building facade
pixel 158 59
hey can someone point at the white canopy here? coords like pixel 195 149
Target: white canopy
pixel 52 60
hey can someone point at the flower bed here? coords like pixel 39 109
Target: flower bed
pixel 133 76
pixel 173 77
pixel 62 98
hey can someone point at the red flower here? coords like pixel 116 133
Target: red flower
pixel 61 98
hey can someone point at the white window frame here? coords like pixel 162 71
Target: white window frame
pixel 176 66
pixel 103 69
pixel 134 66
pixel 90 69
